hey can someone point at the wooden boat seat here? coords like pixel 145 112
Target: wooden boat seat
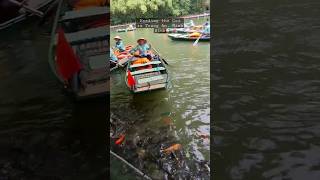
pixel 95 89
pixel 145 64
pixel 150 88
pixel 98 61
pixel 94 34
pixel 148 70
pixel 96 75
pixel 150 79
pixel 84 13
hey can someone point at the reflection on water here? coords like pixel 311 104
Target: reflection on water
pixel 179 114
pixel 266 90
pixel 43 134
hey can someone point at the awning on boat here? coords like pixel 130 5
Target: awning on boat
pixel 83 13
pixel 87 35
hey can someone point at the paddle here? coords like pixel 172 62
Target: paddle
pixel 34 11
pixel 115 67
pixel 196 42
pixel 48 12
pixel 160 55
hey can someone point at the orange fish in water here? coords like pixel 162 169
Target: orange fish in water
pixel 203 135
pixel 172 148
pixel 167 121
pixel 120 140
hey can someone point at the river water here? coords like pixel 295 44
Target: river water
pixel 180 114
pixel 43 134
pixel 266 90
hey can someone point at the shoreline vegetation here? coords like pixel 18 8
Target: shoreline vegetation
pixel 126 12
pixel 200 15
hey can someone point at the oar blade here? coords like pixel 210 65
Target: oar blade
pixel 196 42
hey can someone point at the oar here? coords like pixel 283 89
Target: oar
pixel 131 166
pixel 115 67
pixel 196 42
pixel 48 12
pixel 160 56
pixel 34 11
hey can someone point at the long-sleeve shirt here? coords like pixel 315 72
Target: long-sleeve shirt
pixel 142 49
pixel 120 46
pixel 206 29
pixel 113 56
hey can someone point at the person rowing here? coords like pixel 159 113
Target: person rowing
pixel 119 44
pixel 142 53
pixel 142 49
pixel 206 30
pixel 113 57
pixel 189 24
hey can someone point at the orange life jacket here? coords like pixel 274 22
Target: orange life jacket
pixel 142 61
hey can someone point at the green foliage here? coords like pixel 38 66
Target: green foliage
pixel 124 11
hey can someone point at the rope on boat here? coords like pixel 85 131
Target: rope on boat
pixel 130 165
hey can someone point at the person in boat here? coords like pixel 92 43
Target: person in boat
pixel 190 23
pixel 142 49
pixel 206 23
pixel 119 44
pixel 206 30
pixel 130 27
pixel 113 57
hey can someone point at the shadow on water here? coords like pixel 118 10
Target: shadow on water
pixel 43 134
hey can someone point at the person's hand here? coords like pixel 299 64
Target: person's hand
pixel 136 54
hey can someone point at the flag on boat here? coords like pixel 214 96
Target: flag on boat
pixel 67 61
pixel 131 81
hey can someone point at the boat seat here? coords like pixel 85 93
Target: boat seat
pixel 150 79
pixel 84 13
pixel 87 35
pixel 148 70
pixel 145 64
pixel 97 62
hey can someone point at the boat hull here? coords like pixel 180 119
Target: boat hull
pixel 90 42
pixel 155 78
pixel 179 37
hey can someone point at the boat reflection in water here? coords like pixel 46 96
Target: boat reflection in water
pixel 13 11
pixel 81 63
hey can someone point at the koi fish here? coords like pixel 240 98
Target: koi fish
pixel 120 140
pixel 203 135
pixel 172 148
pixel 167 121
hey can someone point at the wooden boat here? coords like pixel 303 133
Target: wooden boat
pixel 14 11
pixel 130 28
pixel 123 59
pixel 186 29
pixel 148 76
pixel 186 37
pixel 87 32
pixel 121 30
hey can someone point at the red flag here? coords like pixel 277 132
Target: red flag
pixel 131 81
pixel 67 61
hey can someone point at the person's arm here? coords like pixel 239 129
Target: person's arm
pixel 148 47
pixel 122 46
pixel 133 50
pixel 117 46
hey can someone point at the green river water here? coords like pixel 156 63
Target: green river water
pixel 179 114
